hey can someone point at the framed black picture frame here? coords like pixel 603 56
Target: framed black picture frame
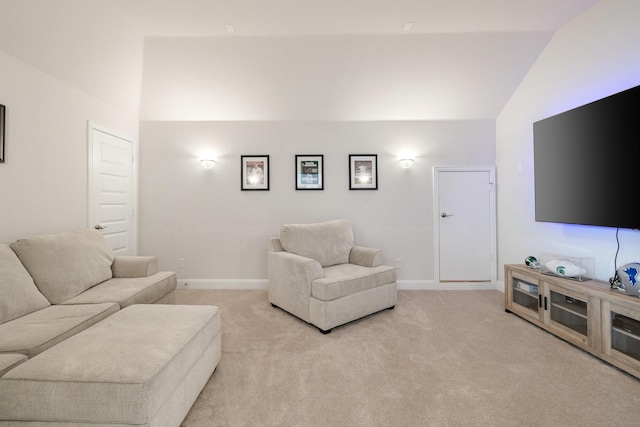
pixel 2 114
pixel 254 173
pixel 309 172
pixel 363 171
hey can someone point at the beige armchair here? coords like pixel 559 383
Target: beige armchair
pixel 317 274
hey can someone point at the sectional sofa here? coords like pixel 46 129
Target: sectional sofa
pixel 87 337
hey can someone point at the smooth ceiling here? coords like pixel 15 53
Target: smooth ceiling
pixel 461 59
pixel 198 18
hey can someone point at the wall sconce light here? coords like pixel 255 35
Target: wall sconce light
pixel 406 163
pixel 207 163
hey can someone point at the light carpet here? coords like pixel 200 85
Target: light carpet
pixel 441 358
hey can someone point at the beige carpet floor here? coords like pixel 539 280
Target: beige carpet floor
pixel 441 358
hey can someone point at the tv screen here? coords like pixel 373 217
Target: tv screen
pixel 587 163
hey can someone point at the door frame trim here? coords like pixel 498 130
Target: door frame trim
pixel 91 126
pixel 492 207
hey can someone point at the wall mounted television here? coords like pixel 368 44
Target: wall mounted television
pixel 587 163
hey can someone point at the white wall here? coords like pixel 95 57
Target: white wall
pixel 43 183
pixel 330 95
pixel 222 233
pixel 593 56
pixel 62 64
pixel 90 45
pixel 52 82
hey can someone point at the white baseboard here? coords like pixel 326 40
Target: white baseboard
pixel 412 285
pixel 418 285
pixel 222 283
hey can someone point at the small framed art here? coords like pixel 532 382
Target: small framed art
pixel 309 172
pixel 2 133
pixel 363 171
pixel 255 172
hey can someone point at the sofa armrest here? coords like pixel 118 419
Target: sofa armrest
pixel 366 257
pixel 134 266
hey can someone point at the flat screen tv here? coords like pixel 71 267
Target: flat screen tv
pixel 587 163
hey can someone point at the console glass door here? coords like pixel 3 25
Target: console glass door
pixel 625 335
pixel 569 312
pixel 525 294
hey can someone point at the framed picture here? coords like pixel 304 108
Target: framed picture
pixel 309 172
pixel 2 133
pixel 255 173
pixel 363 171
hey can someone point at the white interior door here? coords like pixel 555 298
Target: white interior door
pixel 465 224
pixel 112 189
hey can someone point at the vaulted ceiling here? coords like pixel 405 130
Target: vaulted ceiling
pixel 202 18
pixel 424 59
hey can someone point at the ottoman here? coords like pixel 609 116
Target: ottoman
pixel 144 365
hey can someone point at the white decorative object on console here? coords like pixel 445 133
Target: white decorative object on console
pixel 577 268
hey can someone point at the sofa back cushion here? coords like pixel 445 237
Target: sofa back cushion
pixel 63 265
pixel 18 294
pixel 329 242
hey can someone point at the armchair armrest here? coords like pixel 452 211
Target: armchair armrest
pixel 275 245
pixel 366 257
pixel 293 270
pixel 290 278
pixel 134 266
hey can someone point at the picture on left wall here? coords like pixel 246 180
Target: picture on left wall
pixel 2 108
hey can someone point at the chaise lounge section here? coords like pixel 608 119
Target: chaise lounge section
pixel 89 338
pixel 144 366
pixel 56 285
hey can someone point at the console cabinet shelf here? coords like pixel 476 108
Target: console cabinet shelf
pixel 589 314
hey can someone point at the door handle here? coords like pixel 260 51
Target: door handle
pixel 99 227
pixel 445 215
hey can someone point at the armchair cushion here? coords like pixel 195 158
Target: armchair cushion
pixel 346 279
pixel 329 243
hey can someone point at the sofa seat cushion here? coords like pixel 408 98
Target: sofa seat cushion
pixel 329 242
pixel 64 265
pixel 125 292
pixel 8 361
pixel 346 279
pixel 42 329
pixel 121 371
pixel 18 293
